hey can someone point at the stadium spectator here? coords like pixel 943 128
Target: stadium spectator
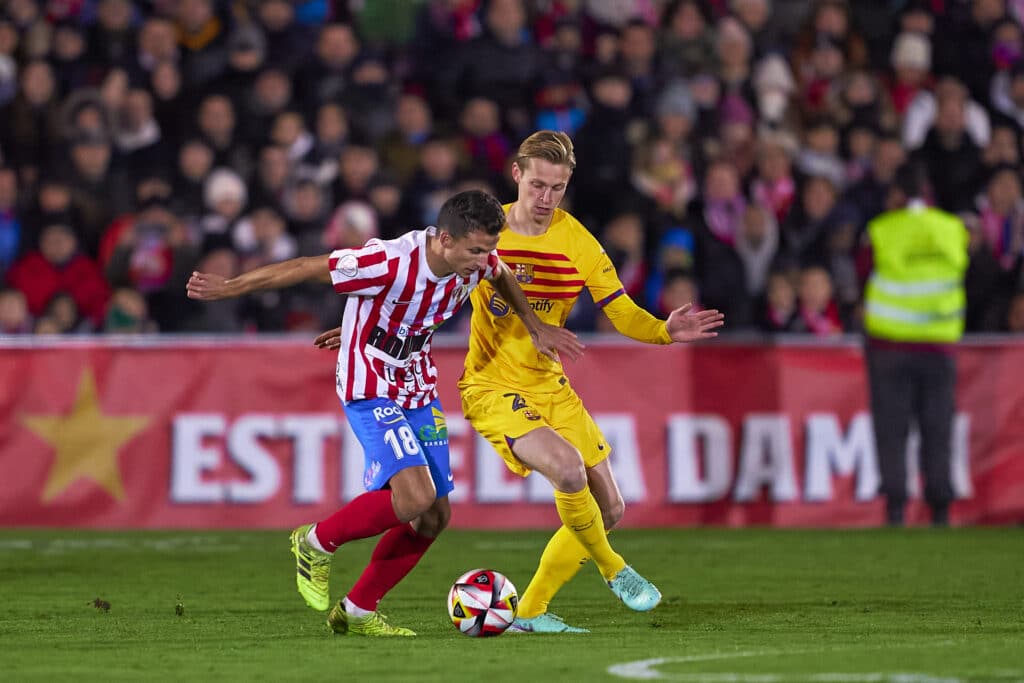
pixel 14 315
pixel 56 267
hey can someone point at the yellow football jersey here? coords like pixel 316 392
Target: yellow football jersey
pixel 552 268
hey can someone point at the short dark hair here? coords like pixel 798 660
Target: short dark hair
pixel 911 179
pixel 471 210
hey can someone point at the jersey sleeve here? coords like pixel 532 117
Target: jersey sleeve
pixel 492 268
pixel 610 296
pixel 362 271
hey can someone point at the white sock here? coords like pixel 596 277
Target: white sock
pixel 313 540
pixel 354 609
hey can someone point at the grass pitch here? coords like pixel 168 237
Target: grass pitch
pixel 748 606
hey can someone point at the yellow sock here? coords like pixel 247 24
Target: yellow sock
pixel 562 558
pixel 579 511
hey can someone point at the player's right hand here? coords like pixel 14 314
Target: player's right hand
pixel 206 287
pixel 331 339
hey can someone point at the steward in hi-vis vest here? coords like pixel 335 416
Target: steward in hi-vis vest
pixel 913 315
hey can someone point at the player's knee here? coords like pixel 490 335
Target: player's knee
pixel 412 504
pixel 612 513
pixel 568 473
pixel 431 523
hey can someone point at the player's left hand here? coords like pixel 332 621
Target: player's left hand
pixel 331 339
pixel 684 326
pixel 552 340
pixel 207 287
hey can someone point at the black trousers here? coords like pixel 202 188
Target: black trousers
pixel 918 386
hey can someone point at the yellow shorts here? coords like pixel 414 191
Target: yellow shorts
pixel 503 414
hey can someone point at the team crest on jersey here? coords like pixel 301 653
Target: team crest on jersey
pixel 348 265
pixel 524 273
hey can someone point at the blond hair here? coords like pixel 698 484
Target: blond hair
pixel 550 145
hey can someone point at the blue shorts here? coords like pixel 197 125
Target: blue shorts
pixel 394 438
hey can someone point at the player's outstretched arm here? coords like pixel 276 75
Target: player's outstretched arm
pixel 551 340
pixel 210 287
pixel 683 326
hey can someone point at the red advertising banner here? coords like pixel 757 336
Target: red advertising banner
pixel 250 434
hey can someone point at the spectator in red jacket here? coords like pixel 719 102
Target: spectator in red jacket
pixel 58 266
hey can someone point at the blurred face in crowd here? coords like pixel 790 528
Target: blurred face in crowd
pixel 273 90
pixel 13 310
pixel 157 39
pixel 613 92
pixel 721 182
pixel 386 199
pixel 37 84
pixel 273 167
pixel 606 48
pixel 832 19
pixel 371 72
pixel 1003 147
pixel 68 44
pixel 625 233
pixel 1004 191
pixel 1015 315
pixel 166 80
pixel 412 115
pixel 337 46
pixel 91 158
pixel 773 163
pixel 753 13
pixel 677 292
pixel 889 156
pixel 827 61
pixel 733 45
pixel 480 117
pixel 918 21
pixel 1017 91
pixel 687 23
pixel 276 15
pixel 217 117
pixel 541 186
pixel 54 197
pixel 288 127
pixel 951 115
pixel 331 123
pixel 267 226
pixel 38 40
pixel 984 12
pixel 23 12
pixel 780 292
pixel 8 38
pixel 567 38
pixel 823 138
pixel 63 311
pixel 8 188
pixel 307 202
pixel 506 19
pixel 438 160
pixel 138 109
pixel 128 312
pixel 637 44
pixel 115 15
pixel 195 160
pixel 755 223
pixel 194 14
pixel 358 164
pixel 57 244
pixel 861 143
pixel 818 198
pixel 223 262
pixel 815 289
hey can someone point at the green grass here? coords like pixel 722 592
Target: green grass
pixel 754 605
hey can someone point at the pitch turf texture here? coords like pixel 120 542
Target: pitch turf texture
pixel 757 606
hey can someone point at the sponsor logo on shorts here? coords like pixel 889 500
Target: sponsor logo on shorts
pixel 519 403
pixel 388 414
pixel 371 473
pixel 435 434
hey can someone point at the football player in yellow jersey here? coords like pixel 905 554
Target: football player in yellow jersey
pixel 522 401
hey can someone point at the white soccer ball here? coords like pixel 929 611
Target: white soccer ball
pixel 482 603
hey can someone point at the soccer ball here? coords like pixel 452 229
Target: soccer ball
pixel 482 603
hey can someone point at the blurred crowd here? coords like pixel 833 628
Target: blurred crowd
pixel 731 152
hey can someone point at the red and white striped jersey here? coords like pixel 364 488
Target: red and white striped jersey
pixel 395 303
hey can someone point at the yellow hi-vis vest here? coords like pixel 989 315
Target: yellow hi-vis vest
pixel 916 292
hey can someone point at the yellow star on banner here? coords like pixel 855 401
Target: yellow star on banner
pixel 86 442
